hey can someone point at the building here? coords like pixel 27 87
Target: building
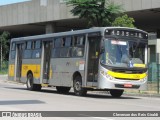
pixel 45 16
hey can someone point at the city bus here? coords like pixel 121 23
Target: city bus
pixel 101 58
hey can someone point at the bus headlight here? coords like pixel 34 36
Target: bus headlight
pixel 108 76
pixel 143 80
pixel 111 78
pixel 105 74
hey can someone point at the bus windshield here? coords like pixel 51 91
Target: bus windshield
pixel 122 53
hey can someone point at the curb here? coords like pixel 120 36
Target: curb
pixel 142 95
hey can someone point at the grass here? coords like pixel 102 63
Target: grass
pixel 3 72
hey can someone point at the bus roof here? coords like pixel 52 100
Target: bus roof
pixel 67 33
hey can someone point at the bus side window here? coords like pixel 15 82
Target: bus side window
pixel 80 41
pixel 28 50
pixel 13 52
pixel 57 42
pixel 68 42
pixel 24 46
pixel 33 44
pixel 29 44
pixel 13 46
pixel 38 44
pixel 65 50
pixel 78 49
pixel 36 53
pixel 57 48
pixel 63 42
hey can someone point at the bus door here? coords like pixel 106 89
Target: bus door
pixel 18 68
pixel 93 60
pixel 47 59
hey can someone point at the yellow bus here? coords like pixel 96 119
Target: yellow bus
pixel 102 58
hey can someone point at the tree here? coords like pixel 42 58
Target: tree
pixel 124 21
pixel 4 45
pixel 98 13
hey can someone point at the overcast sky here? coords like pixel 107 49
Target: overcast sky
pixel 5 2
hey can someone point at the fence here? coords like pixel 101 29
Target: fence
pixel 4 67
pixel 153 77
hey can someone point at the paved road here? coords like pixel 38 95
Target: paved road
pixel 15 97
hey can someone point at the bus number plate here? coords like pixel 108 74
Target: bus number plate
pixel 127 85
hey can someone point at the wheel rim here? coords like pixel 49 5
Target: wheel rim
pixel 29 82
pixel 29 85
pixel 77 86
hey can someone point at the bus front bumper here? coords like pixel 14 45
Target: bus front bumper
pixel 113 83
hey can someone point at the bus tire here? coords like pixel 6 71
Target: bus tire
pixel 63 90
pixel 116 93
pixel 30 85
pixel 78 89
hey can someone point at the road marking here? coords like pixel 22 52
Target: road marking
pixel 101 118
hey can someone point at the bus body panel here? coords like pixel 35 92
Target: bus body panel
pixel 63 70
pixel 11 70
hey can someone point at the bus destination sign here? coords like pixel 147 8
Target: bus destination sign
pixel 126 33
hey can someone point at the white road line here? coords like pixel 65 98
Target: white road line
pixel 101 118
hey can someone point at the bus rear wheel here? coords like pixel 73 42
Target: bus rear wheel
pixel 63 90
pixel 116 93
pixel 30 85
pixel 78 89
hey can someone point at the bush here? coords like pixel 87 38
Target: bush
pixel 4 67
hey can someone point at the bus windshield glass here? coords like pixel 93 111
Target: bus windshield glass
pixel 122 53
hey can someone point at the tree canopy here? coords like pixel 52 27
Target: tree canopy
pixel 98 13
pixel 124 21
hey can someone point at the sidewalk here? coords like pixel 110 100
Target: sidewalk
pixel 3 77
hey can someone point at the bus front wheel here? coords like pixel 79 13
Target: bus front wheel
pixel 78 89
pixel 31 85
pixel 116 93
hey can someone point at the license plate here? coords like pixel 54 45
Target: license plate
pixel 128 85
